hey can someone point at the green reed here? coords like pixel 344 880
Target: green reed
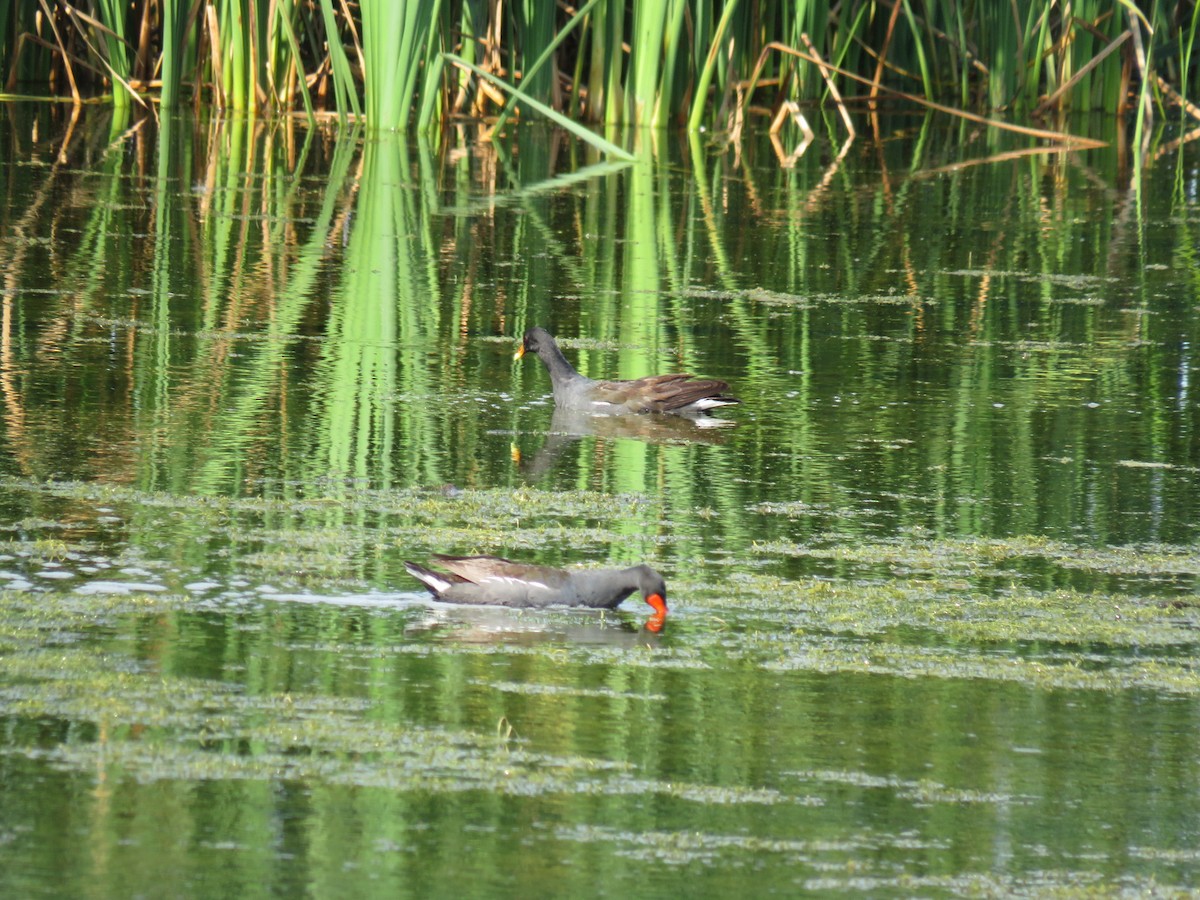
pixel 173 50
pixel 713 64
pixel 114 50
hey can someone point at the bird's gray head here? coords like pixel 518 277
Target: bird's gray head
pixel 535 339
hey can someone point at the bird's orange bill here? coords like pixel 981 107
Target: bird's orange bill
pixel 520 351
pixel 656 622
pixel 659 604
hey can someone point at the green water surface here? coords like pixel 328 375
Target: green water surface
pixel 933 585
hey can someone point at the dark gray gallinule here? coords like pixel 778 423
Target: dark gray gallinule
pixel 680 395
pixel 493 581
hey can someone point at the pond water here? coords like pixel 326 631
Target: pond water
pixel 932 585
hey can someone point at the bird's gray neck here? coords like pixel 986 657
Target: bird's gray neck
pixel 561 371
pixel 596 588
pixel 555 361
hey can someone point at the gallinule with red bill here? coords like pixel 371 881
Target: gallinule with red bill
pixel 680 395
pixel 493 581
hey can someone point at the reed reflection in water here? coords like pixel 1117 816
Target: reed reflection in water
pixel 931 592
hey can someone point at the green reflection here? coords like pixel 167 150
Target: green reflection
pixel 933 590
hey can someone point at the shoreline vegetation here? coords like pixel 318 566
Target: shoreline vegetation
pixel 700 64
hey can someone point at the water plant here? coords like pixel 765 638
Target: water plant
pixel 702 63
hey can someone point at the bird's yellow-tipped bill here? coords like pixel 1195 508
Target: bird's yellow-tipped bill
pixel 520 351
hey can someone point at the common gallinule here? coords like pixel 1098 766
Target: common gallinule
pixel 493 581
pixel 680 395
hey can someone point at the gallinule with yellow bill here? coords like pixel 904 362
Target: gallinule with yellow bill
pixel 680 395
pixel 493 581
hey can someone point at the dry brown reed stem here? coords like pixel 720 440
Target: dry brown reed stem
pixel 833 91
pixel 1139 54
pixel 143 67
pixel 358 51
pixel 792 108
pixel 1190 108
pixel 1006 156
pixel 66 58
pixel 887 40
pixel 259 99
pixel 1173 145
pixel 1058 136
pixel 1049 101
pixel 55 49
pixel 218 77
pixel 77 17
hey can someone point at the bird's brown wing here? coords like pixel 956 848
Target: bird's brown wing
pixel 659 393
pixel 479 568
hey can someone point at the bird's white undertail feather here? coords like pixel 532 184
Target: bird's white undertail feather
pixel 430 579
pixel 712 403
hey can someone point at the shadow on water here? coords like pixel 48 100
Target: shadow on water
pixel 484 624
pixel 568 426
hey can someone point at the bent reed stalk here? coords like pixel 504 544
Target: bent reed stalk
pixel 703 64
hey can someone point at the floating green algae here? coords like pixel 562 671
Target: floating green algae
pixel 947 607
pixel 347 496
pixel 315 529
pixel 854 865
pixel 975 554
pixel 682 848
pixel 565 690
pixel 574 709
pixel 151 727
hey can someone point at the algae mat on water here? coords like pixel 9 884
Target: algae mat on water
pixel 874 721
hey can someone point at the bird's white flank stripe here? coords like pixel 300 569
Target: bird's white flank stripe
pixel 506 579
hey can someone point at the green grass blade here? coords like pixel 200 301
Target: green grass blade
pixel 649 24
pixel 174 17
pixel 545 57
pixel 918 45
pixel 283 13
pixel 558 118
pixel 701 98
pixel 1187 43
pixel 344 91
